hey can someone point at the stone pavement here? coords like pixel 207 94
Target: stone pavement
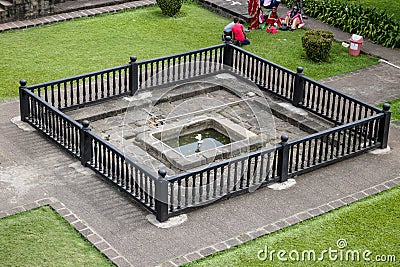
pixel 76 9
pixel 34 171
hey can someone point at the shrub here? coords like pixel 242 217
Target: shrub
pixel 170 7
pixel 317 44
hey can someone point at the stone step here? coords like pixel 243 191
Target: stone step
pixel 4 5
pixel 69 6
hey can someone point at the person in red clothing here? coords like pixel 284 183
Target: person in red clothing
pixel 254 9
pixel 238 35
pixel 273 18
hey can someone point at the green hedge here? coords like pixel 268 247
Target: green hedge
pixel 377 26
pixel 317 44
pixel 170 7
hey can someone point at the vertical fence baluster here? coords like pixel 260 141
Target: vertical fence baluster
pixel 208 185
pixel 323 92
pixel 214 183
pixel 349 139
pixel 321 149
pixel 78 95
pixel 248 172
pixel 235 177
pixel 179 194
pixel 333 145
pixel 201 188
pixel 349 113
pixel 241 174
pixel 343 110
pixel 254 174
pixel 171 198
pixel 136 181
pixel 315 148
pixel 261 174
pixel 193 189
pixel 221 181
pixel 186 191
pixel 228 179
pixel 297 157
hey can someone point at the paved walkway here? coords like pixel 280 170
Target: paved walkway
pixel 34 171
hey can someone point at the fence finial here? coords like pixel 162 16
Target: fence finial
pixel 284 138
pixel 133 59
pixel 386 107
pixel 85 123
pixel 22 82
pixel 162 173
pixel 299 69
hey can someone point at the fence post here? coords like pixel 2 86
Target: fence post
pixel 23 101
pixel 133 76
pixel 161 201
pixel 298 91
pixel 384 124
pixel 86 143
pixel 283 159
pixel 228 52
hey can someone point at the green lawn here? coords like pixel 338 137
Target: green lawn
pixel 285 49
pixel 90 44
pixel 41 237
pixel 394 108
pixel 371 225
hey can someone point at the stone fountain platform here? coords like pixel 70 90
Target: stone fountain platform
pixel 234 105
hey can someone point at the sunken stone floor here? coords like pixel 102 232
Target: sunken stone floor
pixel 141 124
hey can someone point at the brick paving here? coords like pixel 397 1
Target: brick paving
pixel 88 233
pixel 16 25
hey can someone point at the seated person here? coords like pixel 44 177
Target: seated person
pixel 228 29
pixel 269 4
pixel 238 35
pixel 299 4
pixel 273 18
pixel 294 19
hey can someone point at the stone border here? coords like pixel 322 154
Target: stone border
pixel 88 233
pixel 24 24
pixel 278 225
pixel 14 100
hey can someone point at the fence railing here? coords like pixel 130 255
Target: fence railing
pixel 265 74
pixel 300 90
pixel 129 176
pixel 322 148
pixel 89 88
pixel 81 90
pixel 179 67
pixel 223 179
pixel 332 105
pixel 359 127
pixel 53 123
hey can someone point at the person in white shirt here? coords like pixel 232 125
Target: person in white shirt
pixel 228 29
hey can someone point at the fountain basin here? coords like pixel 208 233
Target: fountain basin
pixel 163 143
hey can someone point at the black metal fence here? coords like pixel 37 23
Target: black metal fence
pixel 359 127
